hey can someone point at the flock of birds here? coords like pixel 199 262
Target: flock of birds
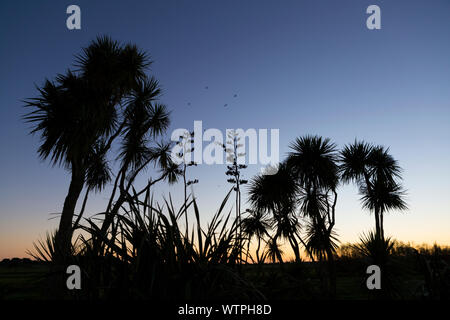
pixel 225 105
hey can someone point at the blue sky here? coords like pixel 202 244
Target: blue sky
pixel 304 67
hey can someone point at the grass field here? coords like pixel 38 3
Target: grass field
pixel 19 282
pixel 30 281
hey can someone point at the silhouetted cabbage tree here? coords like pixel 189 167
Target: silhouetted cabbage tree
pixel 80 114
pixel 313 162
pixel 256 224
pixel 378 177
pixel 276 195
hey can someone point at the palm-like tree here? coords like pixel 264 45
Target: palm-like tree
pixel 385 196
pixel 313 160
pixel 255 225
pixel 273 251
pixel 80 114
pixel 145 120
pixel 377 174
pixel 275 194
pixel 313 163
pixel 318 241
pixel 287 227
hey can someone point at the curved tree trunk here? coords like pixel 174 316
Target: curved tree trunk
pixel 109 217
pixel 109 214
pixel 278 253
pixel 257 249
pixel 112 210
pixel 248 251
pixel 295 248
pixel 64 234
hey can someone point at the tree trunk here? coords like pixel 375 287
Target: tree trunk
pixel 83 207
pixel 257 249
pixel 64 234
pixel 377 224
pixel 377 217
pixel 277 253
pixel 295 248
pixel 248 251
pixel 112 212
pixel 110 215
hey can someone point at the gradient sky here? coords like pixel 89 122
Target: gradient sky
pixel 304 67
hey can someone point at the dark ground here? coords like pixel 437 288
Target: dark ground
pixel 26 280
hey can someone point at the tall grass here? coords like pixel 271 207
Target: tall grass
pixel 148 254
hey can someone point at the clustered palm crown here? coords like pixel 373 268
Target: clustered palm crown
pixel 306 183
pixel 378 176
pixel 107 97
